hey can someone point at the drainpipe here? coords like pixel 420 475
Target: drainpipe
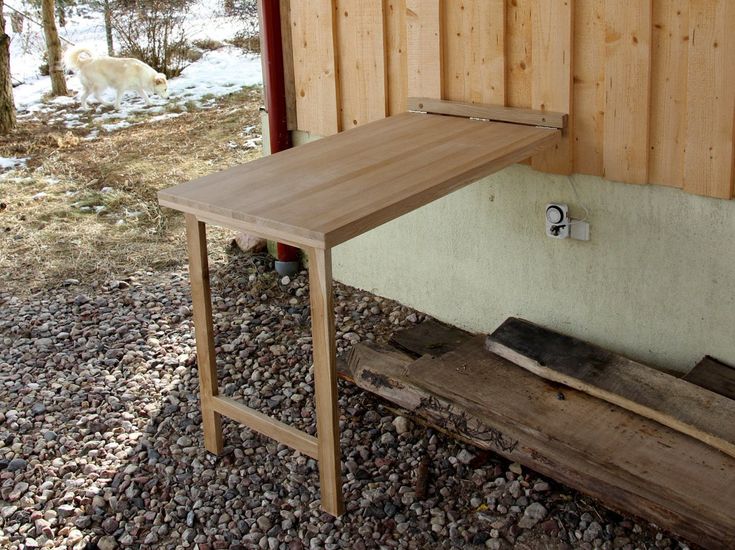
pixel 287 257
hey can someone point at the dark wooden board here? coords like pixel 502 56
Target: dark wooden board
pixel 429 338
pixel 713 375
pixel 630 463
pixel 673 402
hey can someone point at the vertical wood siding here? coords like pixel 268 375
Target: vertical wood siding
pixel 649 84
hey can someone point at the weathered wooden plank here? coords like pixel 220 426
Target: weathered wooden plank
pixel 627 90
pixel 529 117
pixel 553 24
pixel 315 69
pixel 630 463
pixel 671 401
pixel 713 375
pixel 396 55
pixel 361 62
pixel 669 58
pixel 425 49
pixel 474 51
pixel 710 99
pixel 589 87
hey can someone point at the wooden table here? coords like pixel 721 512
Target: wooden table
pixel 319 195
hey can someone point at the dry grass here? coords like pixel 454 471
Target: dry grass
pixel 45 240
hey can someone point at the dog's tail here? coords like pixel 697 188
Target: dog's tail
pixel 78 56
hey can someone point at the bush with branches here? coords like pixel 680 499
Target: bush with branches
pixel 248 38
pixel 154 32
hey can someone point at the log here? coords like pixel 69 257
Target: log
pixel 673 402
pixel 630 463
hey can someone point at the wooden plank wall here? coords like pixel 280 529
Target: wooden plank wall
pixel 649 84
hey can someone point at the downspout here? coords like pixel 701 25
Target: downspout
pixel 287 257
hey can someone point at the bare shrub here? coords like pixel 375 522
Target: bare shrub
pixel 208 44
pixel 248 38
pixel 154 32
pixel 248 42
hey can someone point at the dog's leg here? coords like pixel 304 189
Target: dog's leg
pixel 118 98
pixel 145 97
pixel 83 97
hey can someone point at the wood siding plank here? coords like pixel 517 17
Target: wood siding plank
pixel 361 61
pixel 396 55
pixel 627 90
pixel 423 20
pixel 650 97
pixel 474 51
pixel 552 75
pixel 669 66
pixel 710 99
pixel 518 38
pixel 286 39
pixel 589 87
pixel 315 69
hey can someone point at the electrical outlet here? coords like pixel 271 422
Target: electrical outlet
pixel 557 221
pixel 560 226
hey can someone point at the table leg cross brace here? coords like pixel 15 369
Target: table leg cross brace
pixel 325 447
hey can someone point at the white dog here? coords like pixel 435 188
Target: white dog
pixel 119 73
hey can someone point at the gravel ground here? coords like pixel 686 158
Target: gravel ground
pixel 101 443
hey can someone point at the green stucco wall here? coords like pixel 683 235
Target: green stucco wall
pixel 656 281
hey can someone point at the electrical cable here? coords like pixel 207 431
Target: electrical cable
pixel 581 204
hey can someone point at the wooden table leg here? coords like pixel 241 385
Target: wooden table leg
pixel 325 379
pixel 201 297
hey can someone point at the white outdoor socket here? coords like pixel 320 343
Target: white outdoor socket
pixel 560 226
pixel 557 221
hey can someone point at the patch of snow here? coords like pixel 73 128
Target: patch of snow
pixel 116 126
pixel 253 143
pixel 217 73
pixel 63 100
pixel 10 163
pixel 165 116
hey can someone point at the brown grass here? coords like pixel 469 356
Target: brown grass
pixel 46 240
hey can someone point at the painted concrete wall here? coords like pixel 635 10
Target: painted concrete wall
pixel 656 282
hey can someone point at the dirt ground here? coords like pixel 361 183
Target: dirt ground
pixel 86 209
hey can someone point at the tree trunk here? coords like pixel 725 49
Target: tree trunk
pixel 7 107
pixel 53 47
pixel 108 28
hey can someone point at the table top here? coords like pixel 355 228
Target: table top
pixel 331 190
